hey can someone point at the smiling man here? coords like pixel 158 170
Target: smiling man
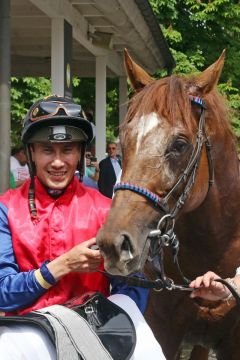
pixel 47 231
pixel 55 163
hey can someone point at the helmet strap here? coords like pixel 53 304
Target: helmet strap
pixel 81 163
pixel 31 164
pixel 31 200
pixel 31 191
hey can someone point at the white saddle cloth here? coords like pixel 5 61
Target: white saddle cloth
pixel 26 342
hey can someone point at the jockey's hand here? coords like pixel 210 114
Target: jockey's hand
pixel 81 258
pixel 208 289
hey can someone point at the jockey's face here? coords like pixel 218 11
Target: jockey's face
pixel 56 163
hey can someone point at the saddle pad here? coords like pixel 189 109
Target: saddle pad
pixel 111 323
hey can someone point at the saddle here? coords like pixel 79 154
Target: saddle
pixel 87 327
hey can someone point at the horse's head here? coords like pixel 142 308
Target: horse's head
pixel 159 139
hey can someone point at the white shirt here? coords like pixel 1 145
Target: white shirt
pixel 20 172
pixel 116 166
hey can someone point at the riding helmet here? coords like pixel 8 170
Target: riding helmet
pixel 56 119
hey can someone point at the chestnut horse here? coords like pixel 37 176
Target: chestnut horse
pixel 167 168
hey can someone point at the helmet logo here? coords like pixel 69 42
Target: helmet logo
pixel 59 137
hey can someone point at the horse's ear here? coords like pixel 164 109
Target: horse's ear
pixel 137 76
pixel 206 81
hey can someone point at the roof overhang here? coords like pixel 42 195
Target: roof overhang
pixel 100 28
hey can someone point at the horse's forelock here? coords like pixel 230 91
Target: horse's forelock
pixel 168 97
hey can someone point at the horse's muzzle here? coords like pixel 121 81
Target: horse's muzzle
pixel 121 257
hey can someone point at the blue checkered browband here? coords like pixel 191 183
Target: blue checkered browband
pixel 197 100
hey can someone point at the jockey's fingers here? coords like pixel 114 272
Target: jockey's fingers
pixel 88 243
pixel 93 254
pixel 90 267
pixel 89 259
pixel 94 262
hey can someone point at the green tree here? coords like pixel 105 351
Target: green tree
pixel 197 32
pixel 24 92
pixel 84 93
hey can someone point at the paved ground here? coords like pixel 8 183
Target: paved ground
pixel 186 354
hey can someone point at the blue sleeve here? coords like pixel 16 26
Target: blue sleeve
pixel 17 289
pixel 137 294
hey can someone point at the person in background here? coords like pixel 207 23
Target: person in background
pixel 48 229
pixel 91 173
pixel 119 150
pixel 18 165
pixel 92 167
pixel 109 170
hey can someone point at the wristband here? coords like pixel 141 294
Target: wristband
pixel 46 274
pixel 44 284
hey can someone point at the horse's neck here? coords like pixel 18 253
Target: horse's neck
pixel 213 229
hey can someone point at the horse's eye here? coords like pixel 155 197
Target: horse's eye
pixel 178 146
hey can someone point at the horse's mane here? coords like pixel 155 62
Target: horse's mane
pixel 168 97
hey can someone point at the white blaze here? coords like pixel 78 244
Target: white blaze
pixel 145 124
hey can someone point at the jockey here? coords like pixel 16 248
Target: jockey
pixel 47 230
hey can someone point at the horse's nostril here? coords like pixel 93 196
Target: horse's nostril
pixel 126 247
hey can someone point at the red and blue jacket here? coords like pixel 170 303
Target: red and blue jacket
pixel 25 244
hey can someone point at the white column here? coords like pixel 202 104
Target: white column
pixel 5 105
pixel 100 108
pixel 123 98
pixel 57 56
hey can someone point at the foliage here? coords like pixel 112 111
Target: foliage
pixel 197 32
pixel 233 96
pixel 84 93
pixel 24 92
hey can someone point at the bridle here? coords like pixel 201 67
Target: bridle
pixel 189 174
pixel 164 234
